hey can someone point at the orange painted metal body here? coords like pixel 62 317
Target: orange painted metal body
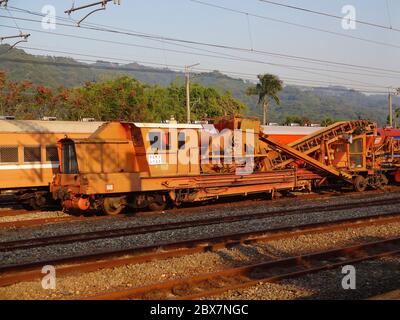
pixel 142 165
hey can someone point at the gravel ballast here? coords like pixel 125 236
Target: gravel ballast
pixel 129 276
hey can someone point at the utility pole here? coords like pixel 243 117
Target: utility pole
pixel 396 92
pixel 390 110
pixel 187 77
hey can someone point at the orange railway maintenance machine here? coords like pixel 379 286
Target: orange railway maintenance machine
pixel 142 165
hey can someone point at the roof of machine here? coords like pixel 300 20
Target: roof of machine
pixel 171 125
pixel 289 130
pixel 38 126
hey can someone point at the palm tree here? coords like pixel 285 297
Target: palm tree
pixel 268 87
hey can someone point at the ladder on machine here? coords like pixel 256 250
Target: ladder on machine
pixel 311 143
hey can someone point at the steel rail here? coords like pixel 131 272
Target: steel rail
pixel 151 228
pixel 88 263
pixel 43 221
pixel 215 283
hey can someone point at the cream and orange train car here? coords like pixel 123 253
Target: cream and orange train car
pixel 29 158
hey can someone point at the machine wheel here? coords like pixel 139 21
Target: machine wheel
pixel 384 181
pixel 33 204
pixel 157 203
pixel 113 206
pixel 157 206
pixel 360 184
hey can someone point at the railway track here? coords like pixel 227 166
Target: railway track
pixel 15 213
pixel 211 284
pixel 392 295
pixel 43 221
pixel 10 274
pixel 151 228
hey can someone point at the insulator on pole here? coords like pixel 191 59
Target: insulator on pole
pixel 102 3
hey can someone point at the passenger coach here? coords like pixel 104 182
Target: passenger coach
pixel 29 158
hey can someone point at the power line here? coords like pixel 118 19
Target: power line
pixel 297 68
pixel 371 24
pixel 292 67
pixel 296 24
pixel 242 49
pixel 121 68
pixel 220 46
pixel 389 15
pixel 12 17
pixel 234 58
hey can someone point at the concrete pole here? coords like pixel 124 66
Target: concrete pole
pixel 390 111
pixel 187 76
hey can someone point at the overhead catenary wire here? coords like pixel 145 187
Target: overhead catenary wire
pixel 330 15
pixel 23 36
pixel 180 68
pixel 293 67
pixel 297 68
pixel 389 15
pixel 221 46
pixel 263 17
pixel 85 66
pixel 232 58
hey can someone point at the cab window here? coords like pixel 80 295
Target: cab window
pixel 159 140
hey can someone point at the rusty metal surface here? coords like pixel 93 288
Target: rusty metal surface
pixel 210 284
pixel 14 274
pixel 392 295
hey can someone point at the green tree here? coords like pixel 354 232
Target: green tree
pixel 123 98
pixel 327 122
pixel 267 88
pixel 396 116
pixel 292 119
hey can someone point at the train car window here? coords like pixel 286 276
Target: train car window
pixel 69 161
pixel 51 154
pixel 356 146
pixel 32 154
pixel 181 140
pixel 159 141
pixel 340 147
pixel 8 154
pixel 137 137
pixel 155 140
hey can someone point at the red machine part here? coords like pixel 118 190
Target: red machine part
pixel 76 203
pixel 397 176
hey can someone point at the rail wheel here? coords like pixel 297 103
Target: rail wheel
pixel 383 180
pixel 113 206
pixel 33 204
pixel 157 206
pixel 157 203
pixel 360 184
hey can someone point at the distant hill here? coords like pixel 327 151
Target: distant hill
pixel 316 104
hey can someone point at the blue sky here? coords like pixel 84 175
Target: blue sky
pixel 185 19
